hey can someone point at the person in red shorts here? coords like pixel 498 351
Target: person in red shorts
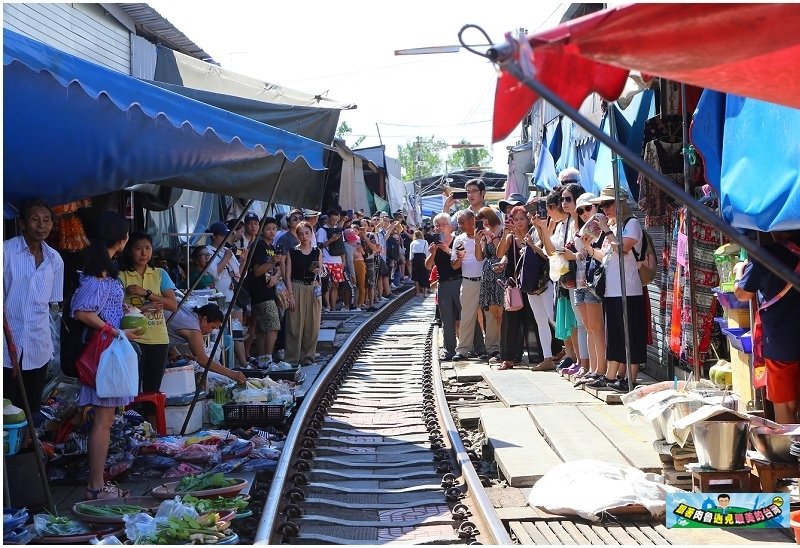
pixel 330 240
pixel 779 309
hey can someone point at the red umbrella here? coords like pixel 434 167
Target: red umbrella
pixel 752 50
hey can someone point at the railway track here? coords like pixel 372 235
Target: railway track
pixel 373 455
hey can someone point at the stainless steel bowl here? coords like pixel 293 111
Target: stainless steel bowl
pixel 773 444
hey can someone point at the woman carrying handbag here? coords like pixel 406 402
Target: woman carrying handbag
pixel 97 303
pixel 516 319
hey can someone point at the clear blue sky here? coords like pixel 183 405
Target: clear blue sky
pixel 346 49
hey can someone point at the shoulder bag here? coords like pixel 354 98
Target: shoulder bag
pixel 535 274
pixel 512 296
pixel 595 273
pixel 568 280
pixel 87 363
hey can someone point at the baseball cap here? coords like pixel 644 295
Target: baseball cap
pixel 250 217
pixel 219 229
pixel 515 199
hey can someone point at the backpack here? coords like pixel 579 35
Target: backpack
pixel 336 248
pixel 646 259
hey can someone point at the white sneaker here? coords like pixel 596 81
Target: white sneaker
pixel 356 309
pixel 326 309
pixel 393 286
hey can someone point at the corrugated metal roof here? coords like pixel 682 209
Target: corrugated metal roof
pixel 151 25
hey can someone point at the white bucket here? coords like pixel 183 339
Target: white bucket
pixel 176 414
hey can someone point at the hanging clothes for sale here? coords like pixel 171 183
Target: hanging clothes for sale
pixel 679 296
pixel 665 157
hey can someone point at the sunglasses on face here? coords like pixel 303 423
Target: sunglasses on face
pixel 584 209
pixel 296 218
pixel 566 199
pixel 605 205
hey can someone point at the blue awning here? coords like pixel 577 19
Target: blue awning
pixel 750 150
pixel 74 129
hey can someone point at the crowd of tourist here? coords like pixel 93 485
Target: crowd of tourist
pixel 545 248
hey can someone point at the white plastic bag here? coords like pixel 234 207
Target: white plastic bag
pixel 118 370
pixel 558 267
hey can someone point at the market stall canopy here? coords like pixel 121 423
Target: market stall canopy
pixel 74 129
pixel 751 50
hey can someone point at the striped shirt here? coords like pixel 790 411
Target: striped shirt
pixel 27 291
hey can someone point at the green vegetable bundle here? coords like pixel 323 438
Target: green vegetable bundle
pixel 207 529
pixel 203 482
pixel 238 503
pixel 109 510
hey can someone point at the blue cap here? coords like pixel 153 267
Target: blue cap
pixel 219 229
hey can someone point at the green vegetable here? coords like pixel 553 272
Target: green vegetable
pixel 185 529
pixel 238 503
pixel 110 510
pixel 202 482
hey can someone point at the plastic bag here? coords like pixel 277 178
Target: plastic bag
pixel 199 453
pixel 156 462
pixel 236 449
pixel 183 469
pixel 118 370
pixel 259 465
pixel 111 539
pixel 161 447
pixel 269 453
pixel 216 415
pixel 558 266
pixel 229 466
pixel 174 508
pixel 139 527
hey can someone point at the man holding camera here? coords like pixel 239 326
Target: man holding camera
pixel 470 337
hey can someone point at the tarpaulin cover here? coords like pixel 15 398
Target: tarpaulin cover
pixel 74 129
pixel 307 115
pixel 751 50
pixel 751 153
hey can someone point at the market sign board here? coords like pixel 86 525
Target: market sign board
pixel 736 510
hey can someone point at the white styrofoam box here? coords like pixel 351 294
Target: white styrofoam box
pixel 176 414
pixel 178 381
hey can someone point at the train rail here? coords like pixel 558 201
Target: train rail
pixel 373 455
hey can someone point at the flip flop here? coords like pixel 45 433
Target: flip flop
pixel 108 491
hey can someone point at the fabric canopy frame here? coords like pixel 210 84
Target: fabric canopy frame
pixel 512 67
pixel 102 131
pixel 752 50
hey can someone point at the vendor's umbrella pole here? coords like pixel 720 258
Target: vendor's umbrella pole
pixel 694 323
pixel 227 317
pixel 37 448
pixel 186 208
pixel 620 249
pixel 208 264
pixel 503 54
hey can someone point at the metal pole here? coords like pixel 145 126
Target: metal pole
pixel 37 448
pixel 690 241
pixel 755 252
pixel 186 208
pixel 228 312
pixel 620 249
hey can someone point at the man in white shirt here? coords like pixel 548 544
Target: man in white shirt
pixel 463 257
pixel 33 277
pixel 329 239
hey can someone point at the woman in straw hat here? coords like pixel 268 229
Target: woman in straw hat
pixel 623 236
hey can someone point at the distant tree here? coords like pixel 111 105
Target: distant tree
pixel 464 158
pixel 345 129
pixel 421 158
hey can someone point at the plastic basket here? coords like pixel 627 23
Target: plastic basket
pixel 739 338
pixel 15 437
pixel 728 299
pixel 254 414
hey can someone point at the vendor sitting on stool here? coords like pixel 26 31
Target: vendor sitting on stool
pixel 778 304
pixel 189 326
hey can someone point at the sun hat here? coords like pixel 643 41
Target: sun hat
pixel 585 199
pixel 607 195
pixel 307 213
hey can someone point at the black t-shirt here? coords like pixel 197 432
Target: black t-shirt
pixel 301 264
pixel 445 270
pixel 406 243
pixel 262 253
pixel 780 321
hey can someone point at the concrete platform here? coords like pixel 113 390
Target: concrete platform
pixel 633 439
pixel 572 436
pixel 523 387
pixel 522 454
pixel 470 371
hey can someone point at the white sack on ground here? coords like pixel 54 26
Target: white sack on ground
pixel 587 488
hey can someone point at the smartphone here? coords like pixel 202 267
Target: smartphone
pixel 349 213
pixel 460 195
pixel 441 237
pixel 541 209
